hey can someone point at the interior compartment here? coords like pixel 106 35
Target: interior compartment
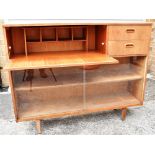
pixel 128 69
pixel 15 41
pixel 102 96
pixel 49 77
pixel 79 33
pixel 64 33
pixel 27 40
pixel 33 34
pixel 48 34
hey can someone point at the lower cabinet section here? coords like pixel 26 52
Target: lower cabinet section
pixel 51 93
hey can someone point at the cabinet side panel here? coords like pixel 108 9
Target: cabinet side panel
pixel 18 40
pixel 101 38
pixel 91 37
pixel 138 87
pixel 8 39
pixel 13 94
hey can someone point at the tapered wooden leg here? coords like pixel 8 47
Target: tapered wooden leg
pixel 124 110
pixel 38 126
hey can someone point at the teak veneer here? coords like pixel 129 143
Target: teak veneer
pixel 59 59
pixel 66 69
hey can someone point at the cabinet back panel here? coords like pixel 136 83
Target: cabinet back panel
pixel 54 46
pixel 106 89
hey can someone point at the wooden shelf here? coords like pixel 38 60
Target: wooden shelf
pixel 59 59
pixel 113 101
pixel 74 106
pixel 44 41
pixel 75 76
pixel 116 73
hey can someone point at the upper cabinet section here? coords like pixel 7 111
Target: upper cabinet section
pixel 128 40
pixel 115 40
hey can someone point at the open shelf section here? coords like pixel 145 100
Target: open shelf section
pixel 59 77
pixel 59 59
pixel 49 100
pixel 62 77
pixel 73 106
pixel 113 101
pixel 116 73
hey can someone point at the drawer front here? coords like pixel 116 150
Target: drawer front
pixel 125 48
pixel 129 32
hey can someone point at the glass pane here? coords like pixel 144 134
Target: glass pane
pixel 43 92
pixel 114 86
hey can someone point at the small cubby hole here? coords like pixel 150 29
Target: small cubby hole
pixel 48 34
pixel 32 34
pixel 80 33
pixel 64 33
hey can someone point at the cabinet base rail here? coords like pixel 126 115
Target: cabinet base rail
pixel 39 128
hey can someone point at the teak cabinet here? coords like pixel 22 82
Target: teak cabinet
pixel 73 69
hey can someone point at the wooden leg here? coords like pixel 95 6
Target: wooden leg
pixel 24 75
pixel 38 126
pixel 124 110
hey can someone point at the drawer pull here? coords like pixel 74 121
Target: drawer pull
pixel 130 30
pixel 129 45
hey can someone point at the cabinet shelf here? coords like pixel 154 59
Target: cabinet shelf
pixel 75 76
pixel 74 106
pixel 50 40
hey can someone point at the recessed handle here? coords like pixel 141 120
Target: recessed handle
pixel 129 45
pixel 130 30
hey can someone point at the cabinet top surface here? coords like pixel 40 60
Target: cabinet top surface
pixel 18 23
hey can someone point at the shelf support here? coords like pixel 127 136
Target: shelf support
pixel 38 126
pixel 87 38
pixel 40 33
pixel 124 111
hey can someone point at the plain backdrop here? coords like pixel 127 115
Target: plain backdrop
pixel 85 10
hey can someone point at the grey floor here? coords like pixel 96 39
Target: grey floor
pixel 139 121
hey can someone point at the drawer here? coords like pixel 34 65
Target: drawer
pixel 123 48
pixel 129 32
